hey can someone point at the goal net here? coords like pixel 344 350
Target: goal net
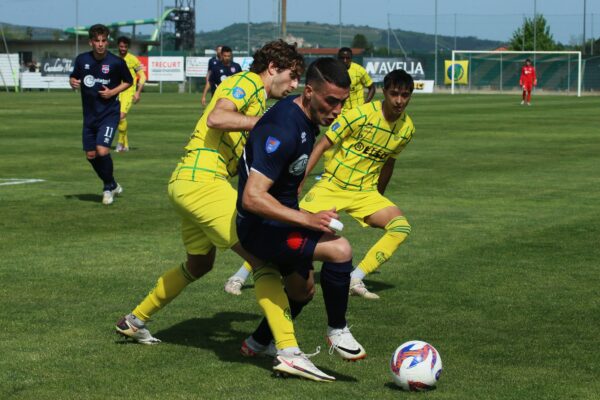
pixel 499 71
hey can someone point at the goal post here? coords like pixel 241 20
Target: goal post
pixel 500 70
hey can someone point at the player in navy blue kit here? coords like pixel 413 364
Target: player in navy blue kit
pixel 272 228
pixel 220 70
pixel 101 76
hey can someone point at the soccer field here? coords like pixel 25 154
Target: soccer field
pixel 501 272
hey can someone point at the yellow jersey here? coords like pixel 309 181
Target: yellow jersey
pixel 212 153
pixel 359 79
pixel 134 65
pixel 365 140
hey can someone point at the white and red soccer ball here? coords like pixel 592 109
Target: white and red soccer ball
pixel 416 366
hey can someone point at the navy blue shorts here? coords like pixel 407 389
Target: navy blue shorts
pixel 290 248
pixel 100 132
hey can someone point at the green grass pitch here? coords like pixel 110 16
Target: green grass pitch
pixel 501 273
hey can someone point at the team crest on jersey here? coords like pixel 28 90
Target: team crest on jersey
pixel 86 66
pixel 232 69
pixel 272 144
pixel 238 93
pixel 105 69
pixel 303 137
pixel 299 166
pixel 335 126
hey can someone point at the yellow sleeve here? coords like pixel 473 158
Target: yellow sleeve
pixel 365 79
pixel 344 125
pixel 240 89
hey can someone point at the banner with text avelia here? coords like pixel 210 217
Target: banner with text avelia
pixel 461 72
pixel 166 69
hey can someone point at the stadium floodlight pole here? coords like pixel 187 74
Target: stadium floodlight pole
pixel 248 28
pixel 584 12
pixel 340 23
pixel 454 31
pixel 388 32
pixel 76 27
pixel 160 85
pixel 534 29
pixel 435 71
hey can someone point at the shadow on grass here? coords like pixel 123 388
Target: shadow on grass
pixel 218 335
pixel 373 286
pixel 96 198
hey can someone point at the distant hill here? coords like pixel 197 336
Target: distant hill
pixel 307 34
pixel 20 32
pixel 310 34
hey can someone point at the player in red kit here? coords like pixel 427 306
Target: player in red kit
pixel 527 81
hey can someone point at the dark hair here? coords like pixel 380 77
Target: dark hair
pixel 399 78
pixel 281 54
pixel 344 50
pixel 330 70
pixel 226 49
pixel 124 39
pixel 97 30
pixel 528 60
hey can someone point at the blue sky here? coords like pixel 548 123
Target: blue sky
pixel 487 19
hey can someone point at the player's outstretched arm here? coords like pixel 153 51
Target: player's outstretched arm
pixel 225 117
pixel 257 199
pixel 370 93
pixel 140 85
pixel 321 147
pixel 385 175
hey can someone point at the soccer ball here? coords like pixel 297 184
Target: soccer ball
pixel 416 366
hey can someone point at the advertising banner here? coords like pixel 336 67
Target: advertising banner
pixel 461 72
pixel 56 66
pixel 379 67
pixel 196 67
pixel 166 69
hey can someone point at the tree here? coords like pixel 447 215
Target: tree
pixel 360 42
pixel 543 37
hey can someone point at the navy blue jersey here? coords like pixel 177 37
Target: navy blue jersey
pixel 219 72
pixel 278 147
pixel 111 71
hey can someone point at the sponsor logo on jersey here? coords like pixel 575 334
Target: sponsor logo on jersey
pixel 90 81
pixel 299 166
pixel 238 93
pixel 371 151
pixel 105 69
pixel 272 144
pixel 335 126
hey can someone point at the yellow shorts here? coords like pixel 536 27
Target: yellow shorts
pixel 359 205
pixel 126 100
pixel 207 212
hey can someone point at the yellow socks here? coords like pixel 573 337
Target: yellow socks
pixel 168 286
pixel 396 231
pixel 123 133
pixel 274 303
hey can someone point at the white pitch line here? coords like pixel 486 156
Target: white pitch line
pixel 19 181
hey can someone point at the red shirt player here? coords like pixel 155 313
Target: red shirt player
pixel 527 81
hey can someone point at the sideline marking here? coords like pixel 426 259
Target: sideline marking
pixel 18 181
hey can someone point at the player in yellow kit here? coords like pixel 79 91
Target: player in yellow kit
pixel 200 188
pixel 368 139
pixel 131 95
pixel 360 80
